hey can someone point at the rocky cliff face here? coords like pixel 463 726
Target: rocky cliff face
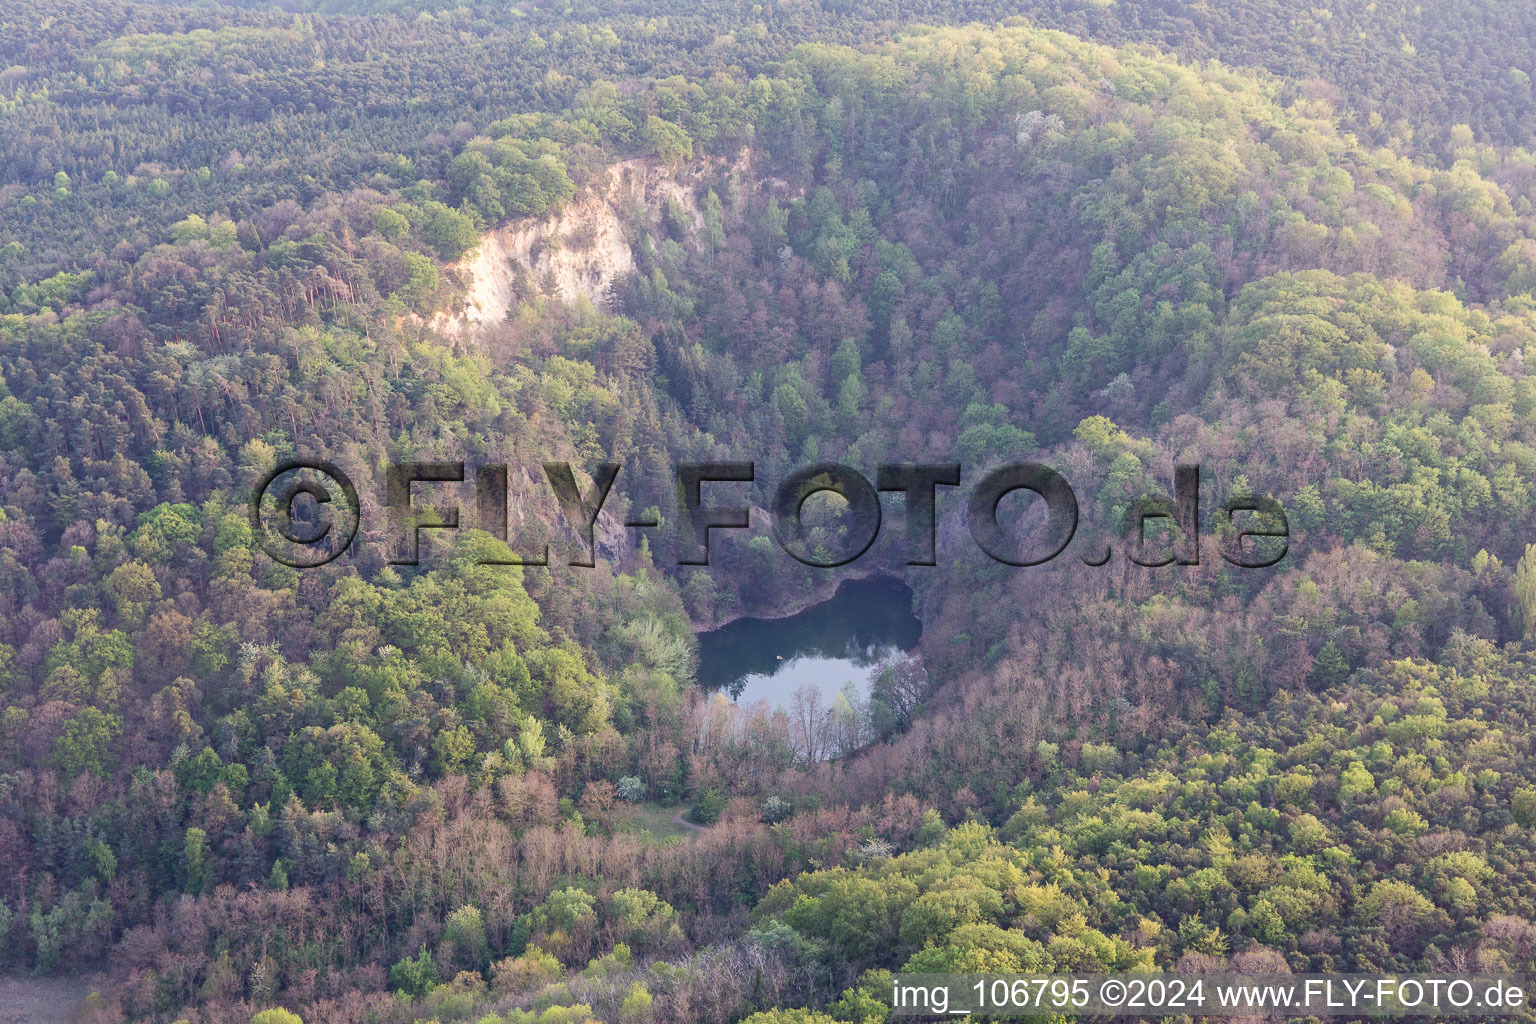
pixel 579 252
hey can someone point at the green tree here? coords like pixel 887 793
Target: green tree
pixel 931 830
pixel 636 1006
pixel 196 859
pixel 1524 587
pixel 86 743
pixel 447 230
pixel 1399 908
pixel 707 806
pixel 393 225
pixel 670 143
pixel 464 934
pixel 415 976
pixel 1517 265
pixel 1522 806
pixel 277 1015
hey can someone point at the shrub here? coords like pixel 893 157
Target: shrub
pixel 706 809
pixel 416 975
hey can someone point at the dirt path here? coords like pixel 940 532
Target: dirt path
pixel 44 1000
pixel 678 818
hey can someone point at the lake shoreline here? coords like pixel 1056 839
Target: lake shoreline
pixel 818 595
pixel 825 644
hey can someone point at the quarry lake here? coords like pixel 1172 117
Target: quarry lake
pixel 843 639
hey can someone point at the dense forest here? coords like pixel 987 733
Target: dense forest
pixel 1295 247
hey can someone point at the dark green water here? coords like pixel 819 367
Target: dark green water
pixel 841 640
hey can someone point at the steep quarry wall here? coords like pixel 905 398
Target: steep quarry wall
pixel 579 252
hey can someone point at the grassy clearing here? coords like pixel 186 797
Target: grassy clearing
pixel 659 821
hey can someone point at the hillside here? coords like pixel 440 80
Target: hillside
pixel 446 791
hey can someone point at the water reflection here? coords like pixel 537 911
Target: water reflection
pixel 842 640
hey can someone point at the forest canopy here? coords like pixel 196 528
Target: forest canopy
pixel 1296 249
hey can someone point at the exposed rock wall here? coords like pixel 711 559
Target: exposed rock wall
pixel 579 252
